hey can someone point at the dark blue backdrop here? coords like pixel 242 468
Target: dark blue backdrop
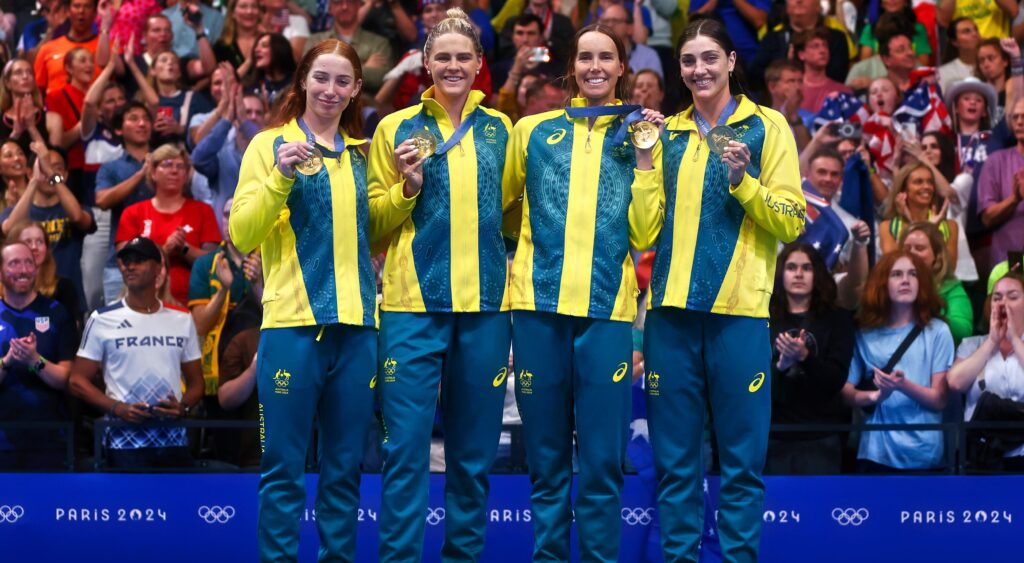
pixel 212 517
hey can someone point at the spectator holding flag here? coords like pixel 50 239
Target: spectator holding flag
pixel 828 226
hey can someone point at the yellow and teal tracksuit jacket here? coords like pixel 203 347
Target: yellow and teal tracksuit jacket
pixel 584 203
pixel 446 252
pixel 718 245
pixel 313 231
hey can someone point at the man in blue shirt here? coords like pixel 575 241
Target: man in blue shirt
pixel 122 182
pixel 38 344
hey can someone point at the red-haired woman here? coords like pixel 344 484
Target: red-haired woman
pixel 900 305
pixel 301 198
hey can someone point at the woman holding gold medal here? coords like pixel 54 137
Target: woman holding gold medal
pixel 733 191
pixel 588 194
pixel 301 197
pixel 436 193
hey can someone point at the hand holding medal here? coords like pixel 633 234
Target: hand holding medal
pixel 736 156
pixel 298 156
pixel 409 158
pixel 645 132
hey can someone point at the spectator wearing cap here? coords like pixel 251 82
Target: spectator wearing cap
pixel 799 16
pixel 186 228
pixel 37 343
pixel 374 50
pixel 1001 190
pixel 971 104
pixel 146 350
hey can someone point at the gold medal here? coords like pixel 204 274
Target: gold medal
pixel 719 137
pixel 644 134
pixel 313 164
pixel 425 142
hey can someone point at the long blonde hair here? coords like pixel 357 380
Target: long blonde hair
pixel 6 98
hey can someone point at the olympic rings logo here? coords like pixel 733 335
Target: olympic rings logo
pixel 216 514
pixel 435 516
pixel 850 516
pixel 11 514
pixel 638 516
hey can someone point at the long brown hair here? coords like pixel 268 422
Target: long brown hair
pixel 293 103
pixel 46 273
pixel 876 304
pixel 623 82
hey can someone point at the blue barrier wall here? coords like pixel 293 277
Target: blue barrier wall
pixel 212 517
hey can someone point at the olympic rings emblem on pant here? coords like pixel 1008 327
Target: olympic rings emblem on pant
pixel 638 516
pixel 216 514
pixel 435 516
pixel 11 514
pixel 850 516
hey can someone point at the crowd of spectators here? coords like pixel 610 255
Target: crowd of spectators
pixel 123 123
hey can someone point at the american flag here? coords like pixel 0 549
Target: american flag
pixel 881 141
pixel 823 229
pixel 840 106
pixel 923 107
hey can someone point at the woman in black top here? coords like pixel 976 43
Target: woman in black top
pixel 812 344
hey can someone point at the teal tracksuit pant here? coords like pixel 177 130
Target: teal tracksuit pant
pixel 693 359
pixel 573 373
pixel 466 355
pixel 302 373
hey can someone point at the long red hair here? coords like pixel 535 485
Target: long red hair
pixel 293 104
pixel 876 305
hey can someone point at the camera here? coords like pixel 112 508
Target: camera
pixel 195 16
pixel 540 55
pixel 847 130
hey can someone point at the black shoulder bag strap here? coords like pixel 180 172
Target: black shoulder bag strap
pixel 868 383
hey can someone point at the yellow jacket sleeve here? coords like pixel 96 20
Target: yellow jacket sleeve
pixel 385 185
pixel 260 195
pixel 647 208
pixel 775 201
pixel 513 180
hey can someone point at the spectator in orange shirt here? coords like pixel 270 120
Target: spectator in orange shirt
pixel 49 63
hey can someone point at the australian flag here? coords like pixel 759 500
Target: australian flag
pixel 823 229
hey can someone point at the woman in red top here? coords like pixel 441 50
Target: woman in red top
pixel 184 227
